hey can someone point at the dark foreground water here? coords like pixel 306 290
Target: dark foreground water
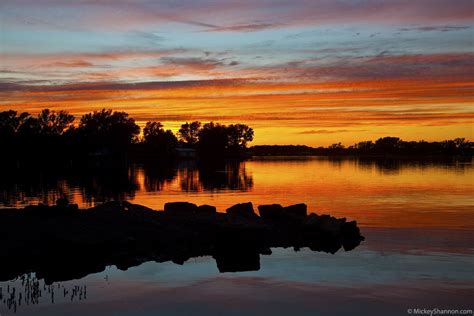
pixel 417 217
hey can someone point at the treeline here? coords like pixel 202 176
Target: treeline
pixel 385 146
pixel 58 134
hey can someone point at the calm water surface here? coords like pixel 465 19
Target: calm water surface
pixel 418 220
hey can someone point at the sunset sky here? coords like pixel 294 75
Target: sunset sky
pixel 299 72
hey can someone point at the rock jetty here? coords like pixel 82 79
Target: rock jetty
pixel 63 242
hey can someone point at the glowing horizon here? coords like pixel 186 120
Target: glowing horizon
pixel 298 72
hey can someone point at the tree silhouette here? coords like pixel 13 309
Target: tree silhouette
pixel 10 121
pixel 461 143
pixel 105 128
pixel 157 139
pixel 29 128
pixel 152 129
pixel 52 123
pixel 221 140
pixel 189 132
pixel 364 146
pixel 387 144
pixel 336 146
pixel 114 134
pixel 239 135
pixel 213 139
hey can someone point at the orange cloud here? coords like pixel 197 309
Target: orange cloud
pixel 277 110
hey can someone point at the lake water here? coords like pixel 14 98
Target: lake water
pixel 417 217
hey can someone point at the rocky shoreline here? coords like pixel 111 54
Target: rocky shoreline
pixel 63 242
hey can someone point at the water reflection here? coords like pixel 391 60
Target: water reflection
pixel 27 290
pixel 376 193
pixel 396 166
pixel 151 177
pixel 89 186
pixel 220 176
pixel 417 217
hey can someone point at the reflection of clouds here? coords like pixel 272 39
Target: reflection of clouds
pixel 426 241
pixel 29 290
pixel 289 283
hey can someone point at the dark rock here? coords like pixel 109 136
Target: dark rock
pixel 62 202
pixel 73 207
pixel 136 208
pixel 331 226
pixel 312 220
pixel 180 208
pixel 350 228
pixel 31 209
pixel 127 234
pixel 266 251
pixel 206 210
pixel 270 212
pixel 108 207
pixel 297 211
pixel 327 225
pixel 237 261
pixel 351 235
pixel 243 210
pixel 277 213
pixel 51 211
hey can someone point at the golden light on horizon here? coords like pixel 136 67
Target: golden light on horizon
pixel 320 113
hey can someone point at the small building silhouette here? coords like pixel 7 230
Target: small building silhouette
pixel 185 152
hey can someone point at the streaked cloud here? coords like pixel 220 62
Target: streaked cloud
pixel 330 131
pixel 302 70
pixel 437 28
pixel 248 27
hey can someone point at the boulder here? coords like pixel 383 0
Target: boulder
pixel 270 212
pixel 180 208
pixel 332 226
pixel 73 207
pixel 206 210
pixel 350 229
pixel 325 224
pixel 312 220
pixel 243 210
pixel 108 207
pixel 62 202
pixel 136 208
pixel 351 235
pixel 276 212
pixel 111 234
pixel 62 208
pixel 297 211
pixel 36 209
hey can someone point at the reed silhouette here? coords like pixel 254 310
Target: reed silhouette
pixel 27 289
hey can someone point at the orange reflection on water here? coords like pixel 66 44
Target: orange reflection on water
pixel 374 194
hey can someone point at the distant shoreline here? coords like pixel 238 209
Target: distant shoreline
pixel 383 148
pixel 373 156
